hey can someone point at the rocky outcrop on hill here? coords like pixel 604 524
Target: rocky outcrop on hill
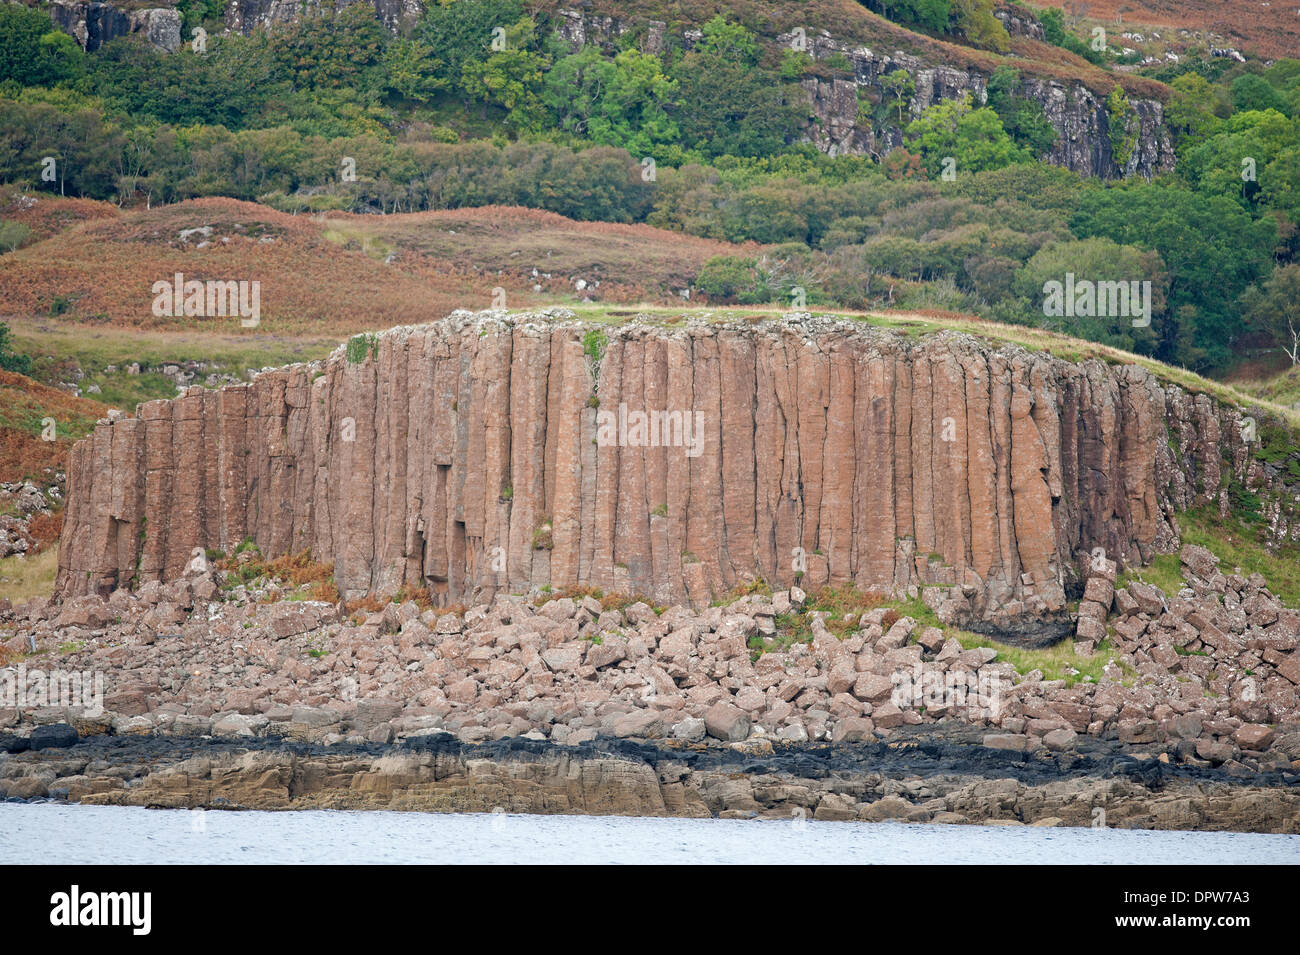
pixel 244 16
pixel 1083 141
pixel 94 24
pixel 20 503
pixel 1019 22
pixel 482 454
pixel 1078 114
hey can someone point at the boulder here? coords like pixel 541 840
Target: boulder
pixel 643 724
pixel 1290 667
pixel 887 716
pixel 1059 739
pixel 691 729
pixel 565 657
pixel 1254 736
pixel 727 722
pixel 853 729
pixel 1150 599
pixel 1101 591
pixel 1199 561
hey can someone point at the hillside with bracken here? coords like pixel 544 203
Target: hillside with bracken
pixel 333 274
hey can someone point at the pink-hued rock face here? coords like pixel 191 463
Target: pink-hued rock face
pixel 477 455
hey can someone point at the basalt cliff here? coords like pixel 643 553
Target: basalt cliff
pixel 487 454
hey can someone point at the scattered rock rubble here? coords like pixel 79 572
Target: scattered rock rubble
pixel 21 501
pixel 1208 677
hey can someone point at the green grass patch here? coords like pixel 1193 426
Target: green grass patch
pixel 120 390
pixel 743 589
pixel 1279 447
pixel 1239 544
pixel 1165 571
pixel 26 412
pixel 373 246
pixel 1058 662
pixel 58 349
pixel 359 347
pixel 1283 388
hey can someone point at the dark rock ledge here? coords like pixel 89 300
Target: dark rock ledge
pixel 940 774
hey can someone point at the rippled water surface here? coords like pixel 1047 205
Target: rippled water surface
pixel 92 834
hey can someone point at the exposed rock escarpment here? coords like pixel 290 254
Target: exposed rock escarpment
pixel 467 457
pixel 246 15
pixel 94 24
pixel 1077 113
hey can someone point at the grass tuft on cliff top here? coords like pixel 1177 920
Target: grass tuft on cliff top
pixel 915 325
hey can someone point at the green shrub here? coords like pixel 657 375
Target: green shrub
pixel 359 346
pixel 11 360
pixel 594 344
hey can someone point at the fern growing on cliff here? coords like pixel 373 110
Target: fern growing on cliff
pixel 594 344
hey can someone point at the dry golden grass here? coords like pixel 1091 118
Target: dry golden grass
pixel 510 239
pixel 358 608
pixel 44 530
pixel 308 284
pixel 294 570
pixel 22 578
pixel 49 215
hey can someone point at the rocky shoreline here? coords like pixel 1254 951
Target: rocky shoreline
pixel 233 688
pixel 942 774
